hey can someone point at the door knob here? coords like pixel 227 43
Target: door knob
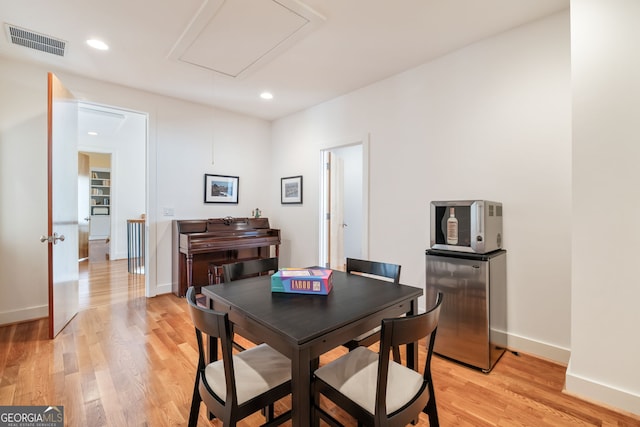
pixel 52 239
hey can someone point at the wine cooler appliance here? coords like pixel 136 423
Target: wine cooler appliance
pixel 473 316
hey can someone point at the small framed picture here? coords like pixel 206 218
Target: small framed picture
pixel 221 188
pixel 291 190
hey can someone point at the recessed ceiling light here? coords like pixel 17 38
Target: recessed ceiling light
pixel 93 133
pixel 266 95
pixel 97 44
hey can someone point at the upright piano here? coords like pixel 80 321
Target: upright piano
pixel 202 246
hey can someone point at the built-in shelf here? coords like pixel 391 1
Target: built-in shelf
pixel 100 192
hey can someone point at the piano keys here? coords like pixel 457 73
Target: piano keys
pixel 201 247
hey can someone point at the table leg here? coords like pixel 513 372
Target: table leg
pixel 301 389
pixel 211 343
pixel 315 421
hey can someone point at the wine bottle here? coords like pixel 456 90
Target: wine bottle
pixel 452 227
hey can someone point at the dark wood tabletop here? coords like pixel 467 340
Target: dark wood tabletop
pixel 303 327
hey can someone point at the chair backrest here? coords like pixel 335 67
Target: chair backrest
pixel 215 325
pixel 254 267
pixel 381 269
pixel 400 331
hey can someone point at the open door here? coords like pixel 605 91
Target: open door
pixel 62 237
pixel 337 259
pixel 344 204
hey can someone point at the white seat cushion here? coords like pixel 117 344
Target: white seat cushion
pixel 356 373
pixel 257 370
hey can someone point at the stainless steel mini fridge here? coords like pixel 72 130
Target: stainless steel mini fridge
pixel 473 316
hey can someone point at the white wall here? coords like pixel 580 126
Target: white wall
pixel 605 342
pixel 23 203
pixel 491 121
pixel 182 136
pixel 192 142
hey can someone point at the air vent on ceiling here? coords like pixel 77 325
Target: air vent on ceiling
pixel 33 40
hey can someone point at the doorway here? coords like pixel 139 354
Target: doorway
pixel 83 206
pixel 344 204
pixel 95 206
pixel 115 140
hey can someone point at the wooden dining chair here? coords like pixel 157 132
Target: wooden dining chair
pixel 239 384
pixel 243 269
pixel 375 390
pixel 372 269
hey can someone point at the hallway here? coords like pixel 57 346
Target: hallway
pixel 108 282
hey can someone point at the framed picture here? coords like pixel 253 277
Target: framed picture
pixel 221 188
pixel 291 189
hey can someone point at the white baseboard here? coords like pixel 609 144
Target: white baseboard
pixel 24 314
pixel 591 390
pixel 538 348
pixel 579 386
pixel 164 289
pixel 32 313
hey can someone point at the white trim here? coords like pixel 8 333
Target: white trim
pixel 163 289
pixel 151 243
pixel 322 226
pixel 24 314
pixel 601 393
pixel 365 196
pixel 538 348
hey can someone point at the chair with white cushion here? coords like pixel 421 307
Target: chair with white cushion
pixel 378 391
pixel 239 384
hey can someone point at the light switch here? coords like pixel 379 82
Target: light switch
pixel 167 211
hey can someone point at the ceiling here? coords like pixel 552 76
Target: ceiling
pixel 225 53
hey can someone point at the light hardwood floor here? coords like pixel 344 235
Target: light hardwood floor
pixel 126 360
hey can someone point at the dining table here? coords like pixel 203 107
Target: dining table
pixel 305 326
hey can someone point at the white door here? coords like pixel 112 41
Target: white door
pixel 337 259
pixel 350 220
pixel 62 237
pixel 344 200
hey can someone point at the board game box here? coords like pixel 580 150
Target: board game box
pixel 302 281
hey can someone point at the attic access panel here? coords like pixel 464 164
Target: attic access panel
pixel 235 37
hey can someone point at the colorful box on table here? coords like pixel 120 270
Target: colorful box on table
pixel 302 281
